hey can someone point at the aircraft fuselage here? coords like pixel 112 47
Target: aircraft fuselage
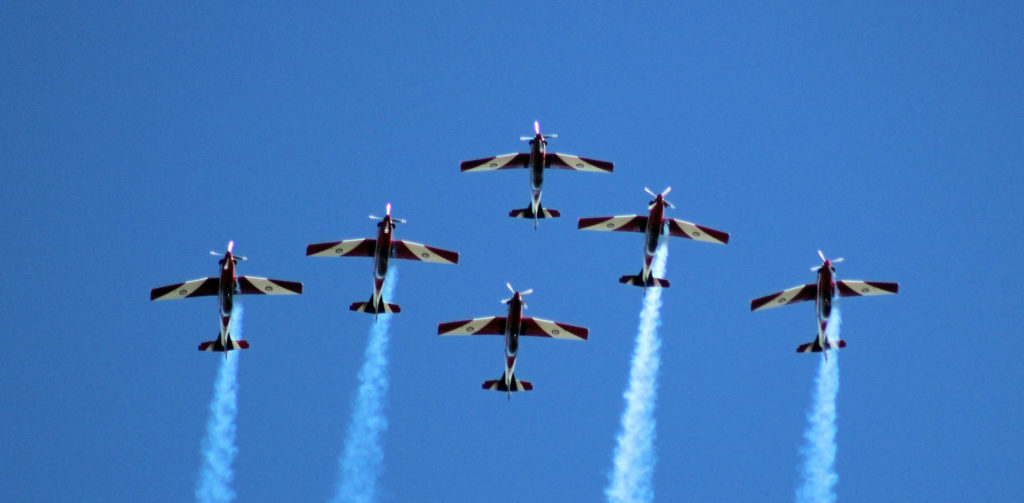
pixel 655 228
pixel 538 152
pixel 515 318
pixel 225 295
pixel 381 255
pixel 823 301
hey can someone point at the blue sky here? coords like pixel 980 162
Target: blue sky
pixel 136 138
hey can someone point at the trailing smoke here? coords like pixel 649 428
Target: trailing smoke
pixel 215 476
pixel 630 480
pixel 361 460
pixel 819 450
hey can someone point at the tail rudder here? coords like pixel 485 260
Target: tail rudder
pixel 527 212
pixel 381 307
pixel 814 347
pixel 638 280
pixel 515 385
pixel 215 345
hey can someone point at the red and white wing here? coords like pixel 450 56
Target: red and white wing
pixel 548 328
pixel 684 229
pixel 194 288
pixel 488 325
pixel 622 223
pixel 853 288
pixel 347 248
pixel 799 293
pixel 415 251
pixel 506 161
pixel 253 285
pixel 567 161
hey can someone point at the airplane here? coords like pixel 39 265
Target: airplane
pixel 381 249
pixel 823 292
pixel 654 226
pixel 537 160
pixel 512 326
pixel 225 287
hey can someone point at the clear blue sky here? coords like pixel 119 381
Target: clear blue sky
pixel 136 138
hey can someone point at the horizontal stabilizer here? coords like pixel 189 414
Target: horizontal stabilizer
pixel 499 385
pixel 639 281
pixel 528 213
pixel 367 307
pixel 215 345
pixel 814 347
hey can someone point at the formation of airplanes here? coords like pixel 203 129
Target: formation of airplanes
pixel 513 325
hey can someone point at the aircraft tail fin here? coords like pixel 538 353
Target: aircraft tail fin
pixel 215 345
pixel 515 385
pixel 527 212
pixel 380 308
pixel 814 347
pixel 638 280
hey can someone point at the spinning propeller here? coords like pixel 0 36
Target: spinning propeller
pixel 388 210
pixel 536 131
pixel 521 294
pixel 231 245
pixel 826 261
pixel 663 194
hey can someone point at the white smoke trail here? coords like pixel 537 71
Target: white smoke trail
pixel 361 460
pixel 819 450
pixel 214 484
pixel 630 480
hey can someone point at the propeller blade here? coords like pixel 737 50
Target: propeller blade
pixel 399 220
pixel 215 254
pixel 387 209
pixel 231 244
pixel 649 191
pixel 504 301
pixel 822 255
pixel 527 292
pixel 372 217
pixel 509 285
pixel 670 205
pixel 838 260
pixel 536 127
pixel 666 191
pixel 816 268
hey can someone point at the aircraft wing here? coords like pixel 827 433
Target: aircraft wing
pixel 415 251
pixel 265 286
pixel 622 223
pixel 798 293
pixel 194 288
pixel 548 328
pixel 566 161
pixel 347 248
pixel 506 161
pixel 683 229
pixel 488 325
pixel 853 288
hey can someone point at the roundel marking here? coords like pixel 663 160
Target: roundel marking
pixel 554 332
pixel 339 250
pixel 782 299
pixel 268 288
pixel 494 164
pixel 470 328
pixel 696 234
pixel 609 225
pixel 864 290
pixel 182 291
pixel 424 254
pixel 579 165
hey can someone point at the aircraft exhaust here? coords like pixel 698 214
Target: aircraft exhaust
pixel 633 464
pixel 819 449
pixel 218 446
pixel 361 459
